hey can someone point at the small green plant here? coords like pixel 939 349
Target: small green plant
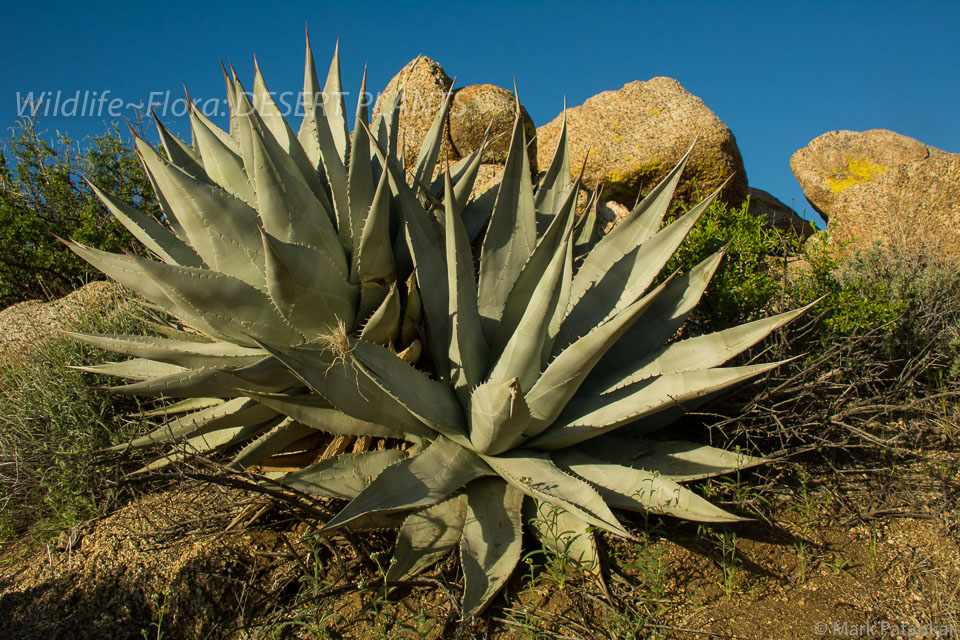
pixel 314 616
pixel 160 604
pixel 838 566
pixel 724 541
pixel 557 544
pixel 652 570
pixel 808 504
pixel 379 603
pixel 804 560
pixel 419 627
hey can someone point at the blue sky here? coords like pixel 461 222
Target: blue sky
pixel 777 73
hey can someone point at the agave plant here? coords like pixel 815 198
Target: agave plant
pixel 357 331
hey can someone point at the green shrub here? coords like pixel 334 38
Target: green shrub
pixel 748 279
pixel 42 196
pixel 854 297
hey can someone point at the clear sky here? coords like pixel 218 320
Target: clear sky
pixel 777 73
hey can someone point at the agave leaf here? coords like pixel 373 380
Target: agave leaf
pixel 660 322
pixel 231 306
pixel 432 141
pixel 427 536
pixel 586 228
pixel 564 375
pixel 385 124
pixel 640 490
pixel 628 278
pixel 592 416
pixel 257 141
pixel 236 412
pixel 166 211
pixel 222 229
pixel 532 276
pixel 180 153
pixel 511 235
pixel 191 355
pixel 150 232
pixel 183 406
pixel 521 356
pixel 491 541
pixel 465 177
pixel 317 413
pixel 335 108
pixel 317 140
pixel 245 115
pixel 553 329
pixel 266 373
pixel 498 416
pixel 290 210
pixel 195 382
pixel 383 327
pixel 280 137
pixel 535 474
pixel 274 441
pixel 468 351
pixel 232 105
pixel 433 402
pixel 222 163
pixel 419 481
pixel 346 387
pixel 677 460
pixel 373 264
pixel 631 232
pixel 556 182
pixel 478 211
pixel 344 476
pixel 273 118
pixel 220 134
pixel 705 351
pixel 564 534
pixel 208 442
pixel 309 289
pixel 411 328
pixel 133 369
pixel 428 258
pixel 124 269
pixel 360 180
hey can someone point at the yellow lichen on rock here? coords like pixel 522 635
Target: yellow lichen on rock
pixel 856 171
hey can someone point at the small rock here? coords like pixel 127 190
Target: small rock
pixel 778 215
pixel 473 109
pixel 424 84
pixel 610 213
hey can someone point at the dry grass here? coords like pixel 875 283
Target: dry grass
pixel 52 420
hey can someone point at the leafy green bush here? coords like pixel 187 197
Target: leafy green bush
pixel 748 279
pixel 852 298
pixel 42 196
